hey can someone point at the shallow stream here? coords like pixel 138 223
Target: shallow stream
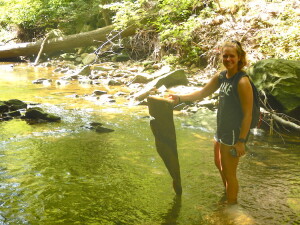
pixel 63 173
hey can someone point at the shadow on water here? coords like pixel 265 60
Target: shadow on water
pixel 170 218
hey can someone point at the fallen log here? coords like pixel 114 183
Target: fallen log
pixel 280 120
pixel 163 128
pixel 63 43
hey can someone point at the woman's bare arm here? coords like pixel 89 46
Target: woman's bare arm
pixel 246 99
pixel 207 90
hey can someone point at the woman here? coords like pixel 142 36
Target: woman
pixel 234 114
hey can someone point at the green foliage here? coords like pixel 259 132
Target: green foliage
pixel 126 12
pixel 281 39
pixel 177 39
pixel 176 29
pixel 18 11
pixel 180 31
pixel 71 16
pixel 174 22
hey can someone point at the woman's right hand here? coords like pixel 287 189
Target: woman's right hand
pixel 175 98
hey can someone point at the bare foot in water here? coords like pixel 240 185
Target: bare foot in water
pixel 237 215
pixel 223 198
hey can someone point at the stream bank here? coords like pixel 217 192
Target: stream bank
pixel 128 83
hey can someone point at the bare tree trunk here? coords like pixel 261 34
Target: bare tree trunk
pixel 62 43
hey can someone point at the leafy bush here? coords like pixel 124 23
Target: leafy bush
pixel 40 16
pixel 174 22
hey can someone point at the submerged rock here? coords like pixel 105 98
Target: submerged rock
pixel 37 113
pixel 62 82
pixel 99 92
pixel 98 127
pixel 95 124
pixel 42 81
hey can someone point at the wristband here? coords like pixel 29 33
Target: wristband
pixel 242 140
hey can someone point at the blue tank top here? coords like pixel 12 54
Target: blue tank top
pixel 229 115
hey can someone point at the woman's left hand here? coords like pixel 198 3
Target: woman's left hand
pixel 240 149
pixel 175 98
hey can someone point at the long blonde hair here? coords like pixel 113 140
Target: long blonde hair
pixel 240 51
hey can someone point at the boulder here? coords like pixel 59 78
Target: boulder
pixel 3 107
pixel 168 80
pixel 15 104
pixel 172 79
pixel 14 114
pixel 37 113
pixel 112 82
pixel 85 71
pixel 280 79
pixel 140 78
pixel 90 58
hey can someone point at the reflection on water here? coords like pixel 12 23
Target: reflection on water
pixel 63 173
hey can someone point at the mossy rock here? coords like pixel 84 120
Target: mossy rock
pixel 3 107
pixel 52 118
pixel 279 78
pixel 36 113
pixel 15 104
pixel 100 129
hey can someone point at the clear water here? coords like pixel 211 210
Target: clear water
pixel 63 173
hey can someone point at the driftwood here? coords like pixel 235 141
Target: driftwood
pixel 281 121
pixel 41 50
pixel 163 129
pixel 62 43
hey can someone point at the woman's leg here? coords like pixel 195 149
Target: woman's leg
pixel 218 164
pixel 229 169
